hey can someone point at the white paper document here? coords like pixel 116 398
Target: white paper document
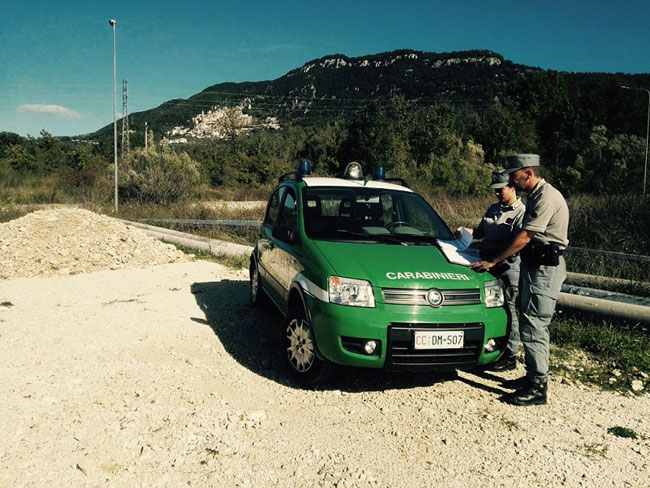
pixel 458 250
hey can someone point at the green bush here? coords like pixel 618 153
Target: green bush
pixel 158 175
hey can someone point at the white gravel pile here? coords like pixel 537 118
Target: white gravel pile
pixel 67 241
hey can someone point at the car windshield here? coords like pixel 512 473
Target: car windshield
pixel 371 214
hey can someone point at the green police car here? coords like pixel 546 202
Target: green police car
pixel 355 266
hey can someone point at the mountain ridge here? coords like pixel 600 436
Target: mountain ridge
pixel 337 85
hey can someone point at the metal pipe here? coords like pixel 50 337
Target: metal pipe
pixel 626 311
pixel 581 278
pixel 199 243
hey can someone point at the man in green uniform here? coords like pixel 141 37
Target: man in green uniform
pixel 500 224
pixel 542 241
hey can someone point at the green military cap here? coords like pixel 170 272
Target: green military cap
pixel 499 179
pixel 520 161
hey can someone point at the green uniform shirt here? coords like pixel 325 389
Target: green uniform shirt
pixel 547 214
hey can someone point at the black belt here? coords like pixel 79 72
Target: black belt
pixel 535 254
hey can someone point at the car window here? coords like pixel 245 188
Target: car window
pixel 411 211
pixel 352 213
pixel 288 214
pixel 273 207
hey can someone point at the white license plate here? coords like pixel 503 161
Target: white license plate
pixel 438 339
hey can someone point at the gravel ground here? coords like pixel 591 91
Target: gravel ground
pixel 163 376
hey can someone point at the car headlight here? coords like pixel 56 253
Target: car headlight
pixel 348 291
pixel 495 295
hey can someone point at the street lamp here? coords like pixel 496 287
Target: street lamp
pixel 112 23
pixel 647 132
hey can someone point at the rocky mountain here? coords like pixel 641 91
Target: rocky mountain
pixel 338 86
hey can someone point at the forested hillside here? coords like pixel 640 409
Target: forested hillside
pixel 440 120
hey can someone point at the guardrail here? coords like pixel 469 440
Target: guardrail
pixel 618 255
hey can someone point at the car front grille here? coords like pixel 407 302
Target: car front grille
pixel 401 355
pixel 401 296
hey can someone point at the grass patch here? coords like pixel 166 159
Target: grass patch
pixel 510 424
pixel 11 212
pixel 197 210
pixel 595 450
pixel 233 262
pixel 610 345
pixel 622 432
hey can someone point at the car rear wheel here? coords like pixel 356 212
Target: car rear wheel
pixel 256 293
pixel 301 353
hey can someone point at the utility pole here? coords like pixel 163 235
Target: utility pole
pixel 125 123
pixel 112 23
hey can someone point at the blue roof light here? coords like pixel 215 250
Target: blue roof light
pixel 379 174
pixel 304 168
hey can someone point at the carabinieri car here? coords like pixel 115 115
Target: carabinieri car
pixel 355 267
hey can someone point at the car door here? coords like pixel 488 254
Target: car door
pixel 285 236
pixel 268 255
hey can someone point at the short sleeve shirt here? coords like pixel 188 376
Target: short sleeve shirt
pixel 501 223
pixel 547 214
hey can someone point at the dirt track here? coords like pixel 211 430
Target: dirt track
pixel 163 376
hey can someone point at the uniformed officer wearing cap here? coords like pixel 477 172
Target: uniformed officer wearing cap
pixel 541 241
pixel 501 222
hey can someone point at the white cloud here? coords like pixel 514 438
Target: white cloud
pixel 51 111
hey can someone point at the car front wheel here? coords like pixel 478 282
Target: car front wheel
pixel 300 347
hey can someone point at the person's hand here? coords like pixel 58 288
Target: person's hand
pixel 458 233
pixel 481 265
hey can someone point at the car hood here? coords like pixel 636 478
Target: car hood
pixel 396 266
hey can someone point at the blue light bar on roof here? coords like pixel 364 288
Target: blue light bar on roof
pixel 304 168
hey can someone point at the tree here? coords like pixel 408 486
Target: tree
pixel 19 158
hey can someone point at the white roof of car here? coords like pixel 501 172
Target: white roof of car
pixel 320 181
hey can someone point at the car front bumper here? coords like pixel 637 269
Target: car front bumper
pixel 340 332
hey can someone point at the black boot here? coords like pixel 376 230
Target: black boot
pixel 507 362
pixel 516 384
pixel 533 394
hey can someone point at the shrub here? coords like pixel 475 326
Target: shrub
pixel 158 175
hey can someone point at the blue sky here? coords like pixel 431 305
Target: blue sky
pixel 56 57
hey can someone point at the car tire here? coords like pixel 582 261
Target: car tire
pixel 300 350
pixel 257 297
